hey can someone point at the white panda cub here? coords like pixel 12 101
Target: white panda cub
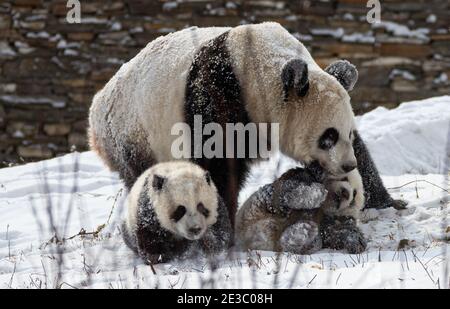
pixel 299 212
pixel 174 211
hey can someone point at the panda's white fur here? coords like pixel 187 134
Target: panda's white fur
pixel 146 97
pixel 185 184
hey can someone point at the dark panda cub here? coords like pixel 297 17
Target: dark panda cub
pixel 303 211
pixel 174 212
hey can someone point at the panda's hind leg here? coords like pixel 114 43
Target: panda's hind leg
pixel 133 161
pixel 261 235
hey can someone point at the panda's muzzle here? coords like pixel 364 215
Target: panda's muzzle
pixel 194 231
pixel 347 168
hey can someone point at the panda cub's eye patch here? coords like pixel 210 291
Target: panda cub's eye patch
pixel 178 214
pixel 328 139
pixel 202 209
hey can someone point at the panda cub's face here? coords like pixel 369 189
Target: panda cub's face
pixel 186 204
pixel 334 150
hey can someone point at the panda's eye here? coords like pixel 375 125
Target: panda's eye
pixel 328 139
pixel 202 209
pixel 178 214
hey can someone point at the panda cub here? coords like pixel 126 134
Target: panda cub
pixel 174 211
pixel 302 212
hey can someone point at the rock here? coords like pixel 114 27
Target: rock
pixel 390 61
pixel 141 7
pixel 373 76
pixel 8 88
pixel 28 2
pixel 441 47
pixel 400 84
pixel 32 25
pixel 57 129
pixel 18 129
pixel 81 36
pixel 73 83
pixel 78 141
pixel 34 152
pixel 2 117
pixel 103 75
pixel 80 126
pixel 344 49
pixel 6 52
pixel 5 22
pixel 412 50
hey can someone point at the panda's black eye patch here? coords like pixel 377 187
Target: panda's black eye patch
pixel 178 214
pixel 203 210
pixel 328 139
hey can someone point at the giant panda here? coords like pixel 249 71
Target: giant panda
pixel 174 212
pixel 302 212
pixel 255 73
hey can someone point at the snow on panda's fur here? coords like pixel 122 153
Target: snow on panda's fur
pixel 174 211
pixel 302 212
pixel 247 74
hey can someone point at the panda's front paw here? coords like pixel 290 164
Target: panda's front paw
pixel 390 202
pixel 302 237
pixel 399 204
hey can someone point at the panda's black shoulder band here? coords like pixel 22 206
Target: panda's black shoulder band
pixel 295 75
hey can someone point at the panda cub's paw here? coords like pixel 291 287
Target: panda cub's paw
pixel 302 237
pixel 342 233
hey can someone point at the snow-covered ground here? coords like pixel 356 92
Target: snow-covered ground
pixel 59 222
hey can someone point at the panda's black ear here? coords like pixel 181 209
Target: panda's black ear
pixel 208 177
pixel 158 182
pixel 295 75
pixel 345 72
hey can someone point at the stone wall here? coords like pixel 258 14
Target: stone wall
pixel 50 69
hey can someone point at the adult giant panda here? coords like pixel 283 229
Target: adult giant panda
pixel 247 74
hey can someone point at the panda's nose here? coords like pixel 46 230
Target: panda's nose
pixel 348 167
pixel 195 230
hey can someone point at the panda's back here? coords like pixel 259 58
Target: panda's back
pixel 145 97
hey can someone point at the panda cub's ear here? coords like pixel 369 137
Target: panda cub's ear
pixel 158 182
pixel 295 75
pixel 345 72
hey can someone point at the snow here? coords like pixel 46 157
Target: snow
pixel 403 73
pixel 402 30
pixel 335 33
pixel 359 37
pixel 17 100
pixel 406 248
